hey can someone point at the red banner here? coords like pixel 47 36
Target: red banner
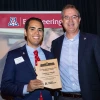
pixel 17 20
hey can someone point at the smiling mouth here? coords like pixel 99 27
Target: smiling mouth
pixel 36 37
pixel 70 24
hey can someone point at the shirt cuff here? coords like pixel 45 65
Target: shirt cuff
pixel 25 90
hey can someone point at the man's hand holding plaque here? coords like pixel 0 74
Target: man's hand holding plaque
pixel 48 72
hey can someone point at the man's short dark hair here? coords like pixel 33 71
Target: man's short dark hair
pixel 30 19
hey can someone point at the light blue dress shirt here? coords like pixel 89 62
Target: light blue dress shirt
pixel 69 65
pixel 30 51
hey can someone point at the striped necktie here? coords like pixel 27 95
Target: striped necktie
pixel 36 57
pixel 36 60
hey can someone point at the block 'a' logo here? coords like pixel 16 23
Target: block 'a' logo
pixel 13 22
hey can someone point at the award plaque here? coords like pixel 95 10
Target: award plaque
pixel 48 72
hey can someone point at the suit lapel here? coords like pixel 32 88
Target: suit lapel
pixel 59 47
pixel 26 58
pixel 46 54
pixel 82 44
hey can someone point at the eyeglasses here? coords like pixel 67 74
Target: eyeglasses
pixel 74 17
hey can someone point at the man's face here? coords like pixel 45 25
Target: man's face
pixel 34 33
pixel 71 20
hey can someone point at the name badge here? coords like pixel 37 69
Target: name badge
pixel 19 60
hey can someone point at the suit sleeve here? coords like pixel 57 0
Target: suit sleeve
pixel 52 47
pixel 97 52
pixel 8 85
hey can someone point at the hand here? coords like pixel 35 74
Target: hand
pixel 35 84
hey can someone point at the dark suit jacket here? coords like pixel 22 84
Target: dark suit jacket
pixel 15 76
pixel 88 64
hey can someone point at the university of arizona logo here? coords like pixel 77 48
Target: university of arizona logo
pixel 13 22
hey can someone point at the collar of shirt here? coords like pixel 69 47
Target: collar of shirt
pixel 73 39
pixel 31 50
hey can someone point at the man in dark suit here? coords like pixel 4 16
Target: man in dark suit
pixel 78 56
pixel 19 77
